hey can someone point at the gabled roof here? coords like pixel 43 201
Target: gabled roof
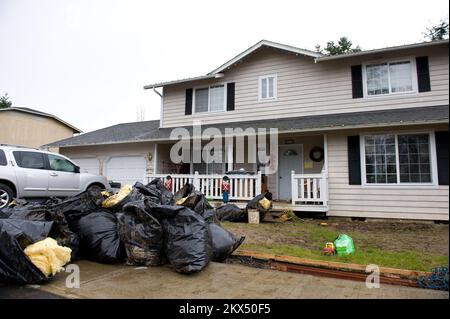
pixel 387 49
pixel 149 131
pixel 318 57
pixel 39 113
pixel 269 44
pixel 237 58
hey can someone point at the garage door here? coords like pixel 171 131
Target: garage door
pixel 126 169
pixel 88 165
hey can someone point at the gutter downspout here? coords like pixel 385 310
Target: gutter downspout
pixel 161 109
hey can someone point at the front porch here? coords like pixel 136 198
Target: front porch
pixel 300 182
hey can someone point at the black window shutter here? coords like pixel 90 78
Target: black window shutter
pixel 423 74
pixel 442 156
pixel 357 82
pixel 230 96
pixel 354 160
pixel 188 105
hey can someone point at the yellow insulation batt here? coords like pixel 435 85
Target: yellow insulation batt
pixel 265 203
pixel 117 198
pixel 48 256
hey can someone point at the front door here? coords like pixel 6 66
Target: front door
pixel 290 159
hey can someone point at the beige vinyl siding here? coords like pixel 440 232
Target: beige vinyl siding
pixel 31 130
pixel 404 202
pixel 305 88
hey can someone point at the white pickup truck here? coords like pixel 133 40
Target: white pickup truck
pixel 27 173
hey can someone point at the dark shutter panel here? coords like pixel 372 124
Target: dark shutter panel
pixel 188 105
pixel 354 160
pixel 442 156
pixel 357 82
pixel 423 74
pixel 230 96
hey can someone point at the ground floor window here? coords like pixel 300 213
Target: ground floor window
pixel 397 158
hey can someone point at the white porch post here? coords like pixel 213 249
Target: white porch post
pixel 258 186
pixel 196 181
pixel 325 153
pixel 229 154
pixel 294 188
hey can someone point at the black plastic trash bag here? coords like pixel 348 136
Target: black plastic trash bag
pixel 60 231
pixel 15 236
pixel 255 204
pixel 187 241
pixel 135 195
pixel 161 212
pixel 231 213
pixel 141 234
pixel 223 242
pixel 166 196
pixel 184 192
pixel 80 205
pixel 99 237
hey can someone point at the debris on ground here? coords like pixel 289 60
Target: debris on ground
pixel 344 245
pixel 48 256
pixel 231 213
pixel 329 249
pixel 15 237
pixel 144 225
pixel 262 202
pixel 438 280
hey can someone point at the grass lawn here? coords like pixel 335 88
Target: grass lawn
pixel 406 245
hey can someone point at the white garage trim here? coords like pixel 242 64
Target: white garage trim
pixel 88 164
pixel 126 169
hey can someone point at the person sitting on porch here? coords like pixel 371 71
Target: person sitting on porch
pixel 225 188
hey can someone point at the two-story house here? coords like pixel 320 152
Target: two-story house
pixel 359 135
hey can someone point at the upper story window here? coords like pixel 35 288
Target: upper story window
pixel 398 159
pixel 210 99
pixel 390 78
pixel 267 87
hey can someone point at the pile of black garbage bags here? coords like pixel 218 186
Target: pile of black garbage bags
pixel 150 226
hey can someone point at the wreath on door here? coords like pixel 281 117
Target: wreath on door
pixel 316 154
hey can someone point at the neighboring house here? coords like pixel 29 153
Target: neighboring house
pixel 31 128
pixel 360 135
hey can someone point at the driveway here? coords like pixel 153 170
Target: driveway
pixel 216 281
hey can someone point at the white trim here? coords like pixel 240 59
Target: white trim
pixel 302 158
pixel 409 59
pixel 275 88
pixel 155 158
pixel 268 44
pixel 388 49
pixel 224 84
pixel 398 184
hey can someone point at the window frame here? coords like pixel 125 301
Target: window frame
pixel 45 158
pixel 275 88
pixel 433 160
pixel 47 155
pixel 3 157
pixel 414 79
pixel 194 112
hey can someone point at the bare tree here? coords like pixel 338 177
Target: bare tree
pixel 140 113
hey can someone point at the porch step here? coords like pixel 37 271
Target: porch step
pixel 280 207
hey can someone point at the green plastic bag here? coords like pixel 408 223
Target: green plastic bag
pixel 344 245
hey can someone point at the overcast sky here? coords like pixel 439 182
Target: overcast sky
pixel 87 61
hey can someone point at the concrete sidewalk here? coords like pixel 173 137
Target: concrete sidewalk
pixel 217 281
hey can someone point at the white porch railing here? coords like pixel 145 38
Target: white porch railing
pixel 242 187
pixel 310 188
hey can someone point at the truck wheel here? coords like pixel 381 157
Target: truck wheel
pixel 6 195
pixel 95 188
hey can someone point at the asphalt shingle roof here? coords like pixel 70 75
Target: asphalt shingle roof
pixel 150 131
